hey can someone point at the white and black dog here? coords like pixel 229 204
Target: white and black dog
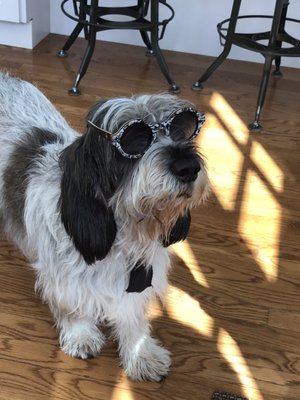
pixel 95 213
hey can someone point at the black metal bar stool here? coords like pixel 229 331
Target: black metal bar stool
pixel 250 41
pixel 90 18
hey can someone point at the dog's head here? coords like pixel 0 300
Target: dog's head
pixel 136 168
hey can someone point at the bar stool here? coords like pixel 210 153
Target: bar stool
pixel 90 18
pixel 250 41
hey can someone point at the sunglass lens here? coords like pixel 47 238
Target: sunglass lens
pixel 184 125
pixel 136 138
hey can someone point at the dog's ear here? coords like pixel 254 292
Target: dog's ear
pixel 179 231
pixel 88 182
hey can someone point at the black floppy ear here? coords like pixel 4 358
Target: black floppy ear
pixel 86 186
pixel 179 231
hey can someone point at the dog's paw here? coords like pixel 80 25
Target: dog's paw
pixel 147 362
pixel 82 341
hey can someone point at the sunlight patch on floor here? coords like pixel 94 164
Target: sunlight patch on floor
pixel 260 224
pixel 155 310
pixel 122 390
pixel 224 160
pixel 184 251
pixel 229 118
pixel 183 308
pixel 267 166
pixel 230 350
pixel 222 150
pixel 229 147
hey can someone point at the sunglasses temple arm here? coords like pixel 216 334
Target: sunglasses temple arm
pixel 106 134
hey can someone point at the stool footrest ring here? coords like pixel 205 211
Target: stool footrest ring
pixel 250 41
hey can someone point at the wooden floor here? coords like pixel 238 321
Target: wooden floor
pixel 232 317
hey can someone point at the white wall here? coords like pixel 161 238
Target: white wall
pixel 193 29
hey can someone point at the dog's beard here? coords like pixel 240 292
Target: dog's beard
pixel 152 199
pixel 160 222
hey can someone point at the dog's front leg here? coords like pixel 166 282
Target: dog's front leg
pixel 79 337
pixel 142 357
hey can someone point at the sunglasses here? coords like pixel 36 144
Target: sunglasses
pixel 135 137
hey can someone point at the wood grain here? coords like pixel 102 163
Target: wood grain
pixel 231 318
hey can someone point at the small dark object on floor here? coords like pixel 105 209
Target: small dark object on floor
pixel 226 396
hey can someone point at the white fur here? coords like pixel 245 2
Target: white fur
pixel 82 296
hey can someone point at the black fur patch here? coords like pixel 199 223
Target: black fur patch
pixel 18 170
pixel 179 231
pixel 140 278
pixel 92 170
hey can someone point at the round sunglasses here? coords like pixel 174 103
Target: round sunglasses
pixel 135 137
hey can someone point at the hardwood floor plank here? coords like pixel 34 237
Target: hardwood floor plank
pixel 284 319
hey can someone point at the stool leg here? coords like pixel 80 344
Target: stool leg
pixel 227 47
pixel 163 66
pixel 76 31
pixel 143 10
pixel 255 125
pixel 277 21
pixel 74 91
pixel 156 49
pixel 92 32
pixel 277 72
pixel 147 42
pixel 71 39
pixel 198 85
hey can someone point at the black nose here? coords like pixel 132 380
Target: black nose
pixel 186 167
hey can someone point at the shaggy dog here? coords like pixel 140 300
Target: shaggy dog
pixel 95 213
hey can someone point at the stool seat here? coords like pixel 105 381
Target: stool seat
pixel 273 50
pixel 90 18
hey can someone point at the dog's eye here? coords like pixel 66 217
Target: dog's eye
pixel 184 125
pixel 136 138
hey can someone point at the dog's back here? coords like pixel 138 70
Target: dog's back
pixel 23 106
pixel 27 123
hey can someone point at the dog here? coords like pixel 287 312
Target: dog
pixel 95 213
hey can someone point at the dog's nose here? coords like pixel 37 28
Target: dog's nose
pixel 186 168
